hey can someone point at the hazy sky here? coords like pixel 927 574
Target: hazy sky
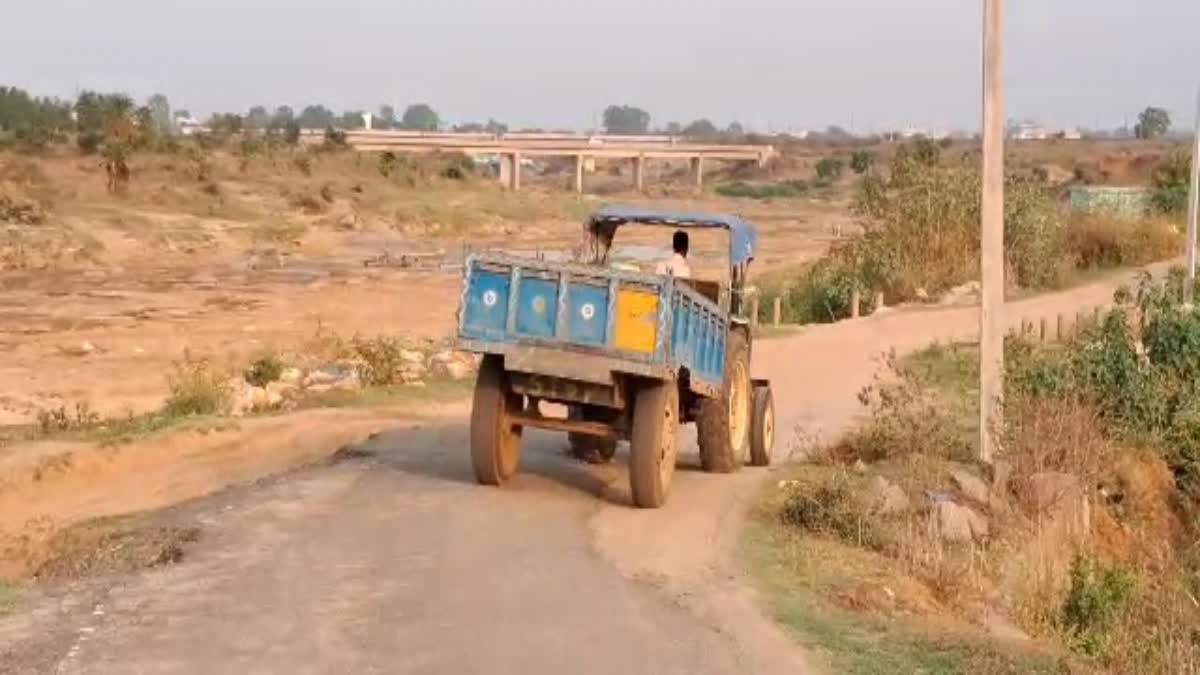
pixel 779 64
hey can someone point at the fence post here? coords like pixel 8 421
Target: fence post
pixel 1042 329
pixel 878 301
pixel 1078 321
pixel 778 311
pixel 855 300
pixel 1058 328
pixel 754 312
pixel 1096 316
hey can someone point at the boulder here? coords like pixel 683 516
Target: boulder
pixel 887 498
pixel 242 396
pixel 972 486
pixel 957 524
pixel 292 376
pixel 412 356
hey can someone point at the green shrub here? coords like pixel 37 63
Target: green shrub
pixel 830 168
pixel 1170 184
pixel 1097 595
pixel 861 161
pixel 265 370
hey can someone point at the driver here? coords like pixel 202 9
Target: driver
pixel 677 266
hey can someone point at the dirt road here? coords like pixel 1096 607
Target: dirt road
pixel 394 561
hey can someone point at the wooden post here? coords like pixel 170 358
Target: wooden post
pixel 1058 328
pixel 1078 322
pixel 1096 316
pixel 878 304
pixel 579 174
pixel 1042 329
pixel 855 300
pixel 754 311
pixel 991 309
pixel 1193 212
pixel 778 310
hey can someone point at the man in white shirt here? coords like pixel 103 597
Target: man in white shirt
pixel 677 266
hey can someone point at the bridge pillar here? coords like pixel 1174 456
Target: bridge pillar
pixel 698 171
pixel 639 173
pixel 510 170
pixel 579 165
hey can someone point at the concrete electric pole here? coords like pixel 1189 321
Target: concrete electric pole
pixel 991 308
pixel 1193 211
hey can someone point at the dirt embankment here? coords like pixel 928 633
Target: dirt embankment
pixel 48 487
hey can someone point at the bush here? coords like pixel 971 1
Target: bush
pixel 830 168
pixel 458 167
pixel 265 370
pixel 197 388
pixel 830 508
pixel 378 359
pixel 781 190
pixel 861 161
pixel 1103 241
pixel 1097 594
pixel 1170 184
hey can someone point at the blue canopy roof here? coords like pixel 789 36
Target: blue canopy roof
pixel 743 236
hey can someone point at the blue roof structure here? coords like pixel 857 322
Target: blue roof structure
pixel 743 236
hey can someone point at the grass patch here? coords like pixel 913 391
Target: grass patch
pixel 10 596
pixel 801 577
pixel 435 391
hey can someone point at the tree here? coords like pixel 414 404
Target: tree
pixel 33 122
pixel 701 128
pixel 626 120
pixel 284 116
pixel 111 125
pixel 316 117
pixel 386 119
pixel 735 129
pixel 257 118
pixel 673 129
pixel 829 168
pixel 160 113
pixel 1152 123
pixel 352 119
pixel 226 124
pixel 420 117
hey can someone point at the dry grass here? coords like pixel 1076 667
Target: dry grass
pixel 1105 241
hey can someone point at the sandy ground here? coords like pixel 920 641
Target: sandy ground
pixel 107 336
pixel 395 561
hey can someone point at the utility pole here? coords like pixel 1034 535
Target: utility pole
pixel 991 308
pixel 1193 211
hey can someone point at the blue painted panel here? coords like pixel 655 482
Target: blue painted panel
pixel 486 311
pixel 587 307
pixel 679 330
pixel 537 307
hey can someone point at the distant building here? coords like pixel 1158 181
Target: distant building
pixel 189 126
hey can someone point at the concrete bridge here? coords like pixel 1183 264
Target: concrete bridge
pixel 511 148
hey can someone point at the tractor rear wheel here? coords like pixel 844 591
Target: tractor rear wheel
pixel 495 440
pixel 724 423
pixel 653 443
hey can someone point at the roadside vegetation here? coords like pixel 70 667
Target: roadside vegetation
pixel 921 237
pixel 331 372
pixel 1077 550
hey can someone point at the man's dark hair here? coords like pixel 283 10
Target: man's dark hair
pixel 680 242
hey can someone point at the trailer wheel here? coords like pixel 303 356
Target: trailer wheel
pixel 495 440
pixel 724 423
pixel 653 444
pixel 762 427
pixel 587 448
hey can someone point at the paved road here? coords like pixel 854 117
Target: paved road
pixel 394 561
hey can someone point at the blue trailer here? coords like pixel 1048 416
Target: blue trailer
pixel 631 354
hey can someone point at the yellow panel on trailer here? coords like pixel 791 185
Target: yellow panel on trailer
pixel 636 324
